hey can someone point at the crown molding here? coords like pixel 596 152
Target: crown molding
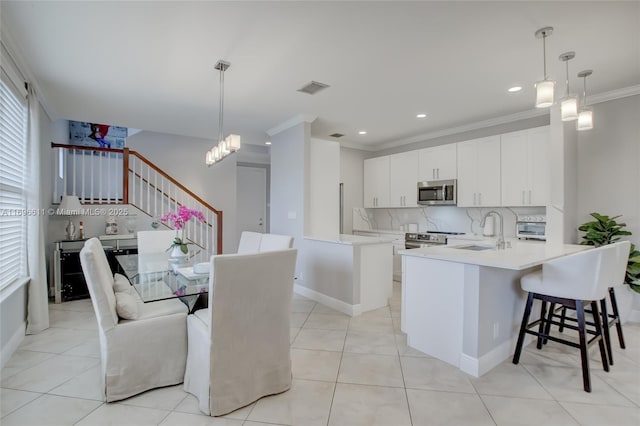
pixel 300 118
pixel 613 94
pixel 464 128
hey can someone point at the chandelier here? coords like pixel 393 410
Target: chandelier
pixel 231 143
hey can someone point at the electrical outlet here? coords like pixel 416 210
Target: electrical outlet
pixel 496 330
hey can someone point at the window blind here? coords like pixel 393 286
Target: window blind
pixel 13 147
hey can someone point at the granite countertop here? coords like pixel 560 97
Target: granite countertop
pixel 521 255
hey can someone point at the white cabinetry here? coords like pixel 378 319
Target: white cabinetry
pixel 479 172
pixel 376 182
pixel 525 167
pixel 437 163
pixel 398 244
pixel 403 176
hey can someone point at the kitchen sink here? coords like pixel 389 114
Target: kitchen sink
pixel 473 247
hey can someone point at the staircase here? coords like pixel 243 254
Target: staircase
pixel 124 176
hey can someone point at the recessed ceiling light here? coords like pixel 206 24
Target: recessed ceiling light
pixel 421 115
pixel 267 143
pixel 362 132
pixel 514 89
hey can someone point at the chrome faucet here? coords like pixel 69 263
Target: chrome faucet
pixel 500 244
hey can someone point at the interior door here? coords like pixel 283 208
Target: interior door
pixel 252 199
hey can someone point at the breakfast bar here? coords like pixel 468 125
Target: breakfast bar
pixel 463 304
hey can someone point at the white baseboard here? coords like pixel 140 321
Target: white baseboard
pixel 479 366
pixel 12 344
pixel 338 305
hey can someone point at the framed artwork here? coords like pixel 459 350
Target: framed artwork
pixel 96 135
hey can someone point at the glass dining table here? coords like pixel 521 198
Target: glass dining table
pixel 156 276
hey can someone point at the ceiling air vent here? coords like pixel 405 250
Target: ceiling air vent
pixel 336 135
pixel 312 88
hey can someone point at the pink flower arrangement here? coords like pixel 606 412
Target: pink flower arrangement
pixel 178 221
pixel 184 215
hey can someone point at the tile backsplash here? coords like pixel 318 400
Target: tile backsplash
pixel 439 218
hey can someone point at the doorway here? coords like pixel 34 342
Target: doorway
pixel 252 198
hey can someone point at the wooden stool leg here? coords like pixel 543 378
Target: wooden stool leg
pixel 547 330
pixel 616 314
pixel 523 327
pixel 584 352
pixel 564 315
pixel 605 329
pixel 543 314
pixel 599 334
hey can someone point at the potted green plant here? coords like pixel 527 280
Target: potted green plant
pixel 606 230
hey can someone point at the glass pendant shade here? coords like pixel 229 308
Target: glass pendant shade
pixel 569 108
pixel 233 142
pixel 544 93
pixel 585 120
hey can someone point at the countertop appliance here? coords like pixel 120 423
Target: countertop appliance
pixel 438 192
pixel 418 240
pixel 531 227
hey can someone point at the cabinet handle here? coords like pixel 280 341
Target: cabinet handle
pixel 433 173
pixel 523 196
pixel 529 196
pixel 404 200
pixel 438 172
pixel 474 198
pixel 479 198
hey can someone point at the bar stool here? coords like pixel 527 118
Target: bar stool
pixel 575 281
pixel 610 319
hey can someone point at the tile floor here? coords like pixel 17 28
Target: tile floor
pixel 346 371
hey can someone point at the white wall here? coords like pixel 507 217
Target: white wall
pixel 324 181
pixel 183 158
pixel 609 164
pixel 352 178
pixel 289 155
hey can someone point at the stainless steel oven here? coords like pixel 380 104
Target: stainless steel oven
pixel 532 227
pixel 419 240
pixel 438 193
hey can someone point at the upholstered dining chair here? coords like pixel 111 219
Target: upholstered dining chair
pixel 155 241
pixel 239 347
pixel 145 351
pixel 255 242
pixel 576 281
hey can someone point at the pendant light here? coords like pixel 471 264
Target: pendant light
pixel 231 143
pixel 585 118
pixel 569 104
pixel 544 88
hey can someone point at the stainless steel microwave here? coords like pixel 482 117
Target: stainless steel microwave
pixel 438 193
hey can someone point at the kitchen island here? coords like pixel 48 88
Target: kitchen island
pixel 349 273
pixel 463 304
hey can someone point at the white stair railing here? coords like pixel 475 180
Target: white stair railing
pixel 95 176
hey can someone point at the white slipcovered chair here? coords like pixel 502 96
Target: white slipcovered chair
pixel 137 354
pixel 255 242
pixel 575 281
pixel 239 347
pixel 155 241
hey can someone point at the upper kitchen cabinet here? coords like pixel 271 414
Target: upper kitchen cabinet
pixel 437 163
pixel 525 167
pixel 403 179
pixel 479 172
pixel 376 182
